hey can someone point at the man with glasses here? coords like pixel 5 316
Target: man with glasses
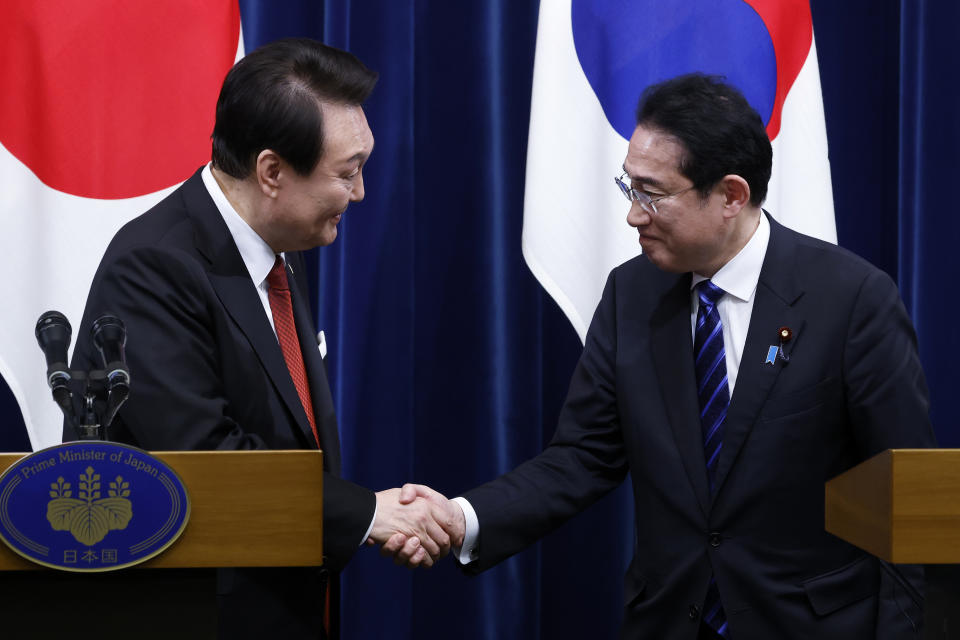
pixel 732 369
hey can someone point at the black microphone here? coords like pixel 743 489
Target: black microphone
pixel 109 337
pixel 53 335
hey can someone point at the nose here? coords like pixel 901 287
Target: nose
pixel 637 216
pixel 357 194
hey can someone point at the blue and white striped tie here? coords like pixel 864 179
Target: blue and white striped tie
pixel 714 395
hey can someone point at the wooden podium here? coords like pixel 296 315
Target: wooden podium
pixel 247 509
pixel 903 506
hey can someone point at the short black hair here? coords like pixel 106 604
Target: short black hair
pixel 271 99
pixel 719 131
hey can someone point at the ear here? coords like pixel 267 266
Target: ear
pixel 268 172
pixel 736 194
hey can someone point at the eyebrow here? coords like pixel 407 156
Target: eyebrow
pixel 646 181
pixel 357 157
pixel 360 156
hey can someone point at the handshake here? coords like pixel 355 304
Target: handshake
pixel 416 526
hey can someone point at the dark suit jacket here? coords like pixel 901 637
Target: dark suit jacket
pixel 853 387
pixel 208 373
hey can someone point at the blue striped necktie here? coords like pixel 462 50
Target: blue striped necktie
pixel 714 395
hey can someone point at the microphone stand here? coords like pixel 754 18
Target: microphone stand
pixel 94 403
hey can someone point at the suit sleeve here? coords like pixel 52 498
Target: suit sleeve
pixel 178 399
pixel 585 459
pixel 887 404
pixel 887 397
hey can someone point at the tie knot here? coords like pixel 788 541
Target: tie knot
pixel 277 278
pixel 709 293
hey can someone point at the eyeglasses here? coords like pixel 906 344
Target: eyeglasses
pixel 647 203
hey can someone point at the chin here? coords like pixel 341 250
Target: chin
pixel 327 237
pixel 664 263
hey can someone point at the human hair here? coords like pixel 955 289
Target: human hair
pixel 719 131
pixel 271 99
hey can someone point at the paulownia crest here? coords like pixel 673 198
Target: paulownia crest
pixel 88 516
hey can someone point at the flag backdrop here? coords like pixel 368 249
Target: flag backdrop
pixel 448 361
pixel 593 59
pixel 106 107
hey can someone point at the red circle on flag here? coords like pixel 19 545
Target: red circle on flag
pixel 106 99
pixel 791 30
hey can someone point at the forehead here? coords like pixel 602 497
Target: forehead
pixel 654 155
pixel 346 134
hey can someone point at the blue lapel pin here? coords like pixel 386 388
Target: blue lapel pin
pixel 772 354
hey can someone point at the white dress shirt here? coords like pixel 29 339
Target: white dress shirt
pixel 738 278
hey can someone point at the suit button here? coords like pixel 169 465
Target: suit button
pixel 714 540
pixel 694 612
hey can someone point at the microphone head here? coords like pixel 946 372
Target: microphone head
pixel 109 337
pixel 53 335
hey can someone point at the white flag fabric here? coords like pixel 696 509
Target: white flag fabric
pixel 593 60
pixel 104 108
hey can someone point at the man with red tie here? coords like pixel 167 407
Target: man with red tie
pixel 221 344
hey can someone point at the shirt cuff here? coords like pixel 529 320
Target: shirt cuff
pixel 370 528
pixel 469 551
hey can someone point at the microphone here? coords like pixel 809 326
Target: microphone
pixel 109 337
pixel 53 335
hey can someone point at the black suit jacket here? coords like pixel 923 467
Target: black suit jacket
pixel 208 373
pixel 853 387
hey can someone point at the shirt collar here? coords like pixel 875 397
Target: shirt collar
pixel 256 253
pixel 740 275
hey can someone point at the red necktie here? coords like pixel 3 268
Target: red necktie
pixel 281 306
pixel 278 291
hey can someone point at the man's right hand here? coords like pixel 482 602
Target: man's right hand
pixel 415 525
pixel 447 514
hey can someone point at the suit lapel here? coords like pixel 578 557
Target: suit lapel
pixel 231 280
pixel 777 291
pixel 672 349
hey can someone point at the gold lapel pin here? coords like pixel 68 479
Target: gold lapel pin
pixel 785 334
